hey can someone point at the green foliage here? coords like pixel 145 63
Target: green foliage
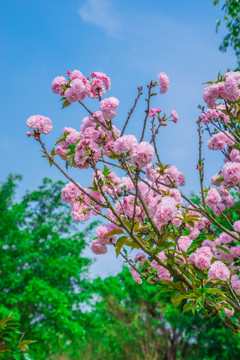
pixel 231 9
pixel 13 345
pixel 42 267
pixel 131 321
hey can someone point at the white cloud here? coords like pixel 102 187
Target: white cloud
pixel 102 14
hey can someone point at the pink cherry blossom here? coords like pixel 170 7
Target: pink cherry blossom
pixel 163 82
pixel 236 226
pixel 201 258
pixel 174 116
pixel 98 248
pixel 136 276
pixel 41 123
pixel 231 173
pixel 235 282
pixel 153 112
pixel 184 243
pixel 76 91
pixel 219 270
pixel 57 84
pixel 124 143
pixel 142 154
pixel 86 151
pixel 108 107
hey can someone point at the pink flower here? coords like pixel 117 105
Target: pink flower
pixel 228 312
pixel 201 258
pixel 235 282
pixel 213 198
pixel 142 154
pixel 194 233
pixel 76 74
pixel 165 211
pixel 162 273
pixel 174 116
pixel 211 93
pixel 184 243
pixel 136 276
pixel 98 248
pixel 76 92
pixel 208 243
pixel 124 143
pixel 219 270
pixel 80 212
pixel 104 77
pixel 108 107
pixel 161 255
pixel 41 123
pixel 86 151
pixel 70 193
pixel 71 137
pixel 175 175
pixel 220 140
pixel 163 82
pixel 231 173
pixel 153 112
pixel 215 114
pixel 235 155
pixel 97 86
pixel 57 84
pixel 140 257
pixel 224 239
pixel 231 86
pixel 235 251
pixel 236 226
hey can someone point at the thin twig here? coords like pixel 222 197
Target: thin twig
pixel 132 109
pixel 201 160
pixel 150 86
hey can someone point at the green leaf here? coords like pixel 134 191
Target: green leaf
pixel 113 157
pixel 177 299
pixel 219 179
pixel 119 244
pixel 223 249
pixel 234 320
pixel 188 306
pixel 114 232
pixel 222 314
pixel 131 243
pixel 65 104
pixel 62 138
pixel 106 171
pixel 149 278
pixel 72 147
pixel 53 152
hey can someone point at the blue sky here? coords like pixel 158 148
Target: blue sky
pixel 131 41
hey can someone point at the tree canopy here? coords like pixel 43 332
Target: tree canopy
pixel 42 267
pixel 231 9
pixel 130 321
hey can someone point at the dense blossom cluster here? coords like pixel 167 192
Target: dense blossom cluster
pixel 196 244
pixel 40 123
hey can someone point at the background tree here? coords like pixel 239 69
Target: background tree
pixel 42 267
pixel 132 321
pixel 231 9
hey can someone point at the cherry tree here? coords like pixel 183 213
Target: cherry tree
pixel 188 247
